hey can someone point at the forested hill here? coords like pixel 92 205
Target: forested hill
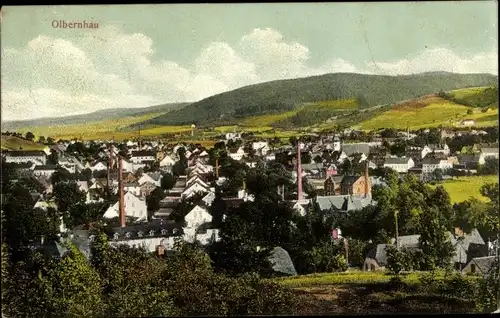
pixel 283 95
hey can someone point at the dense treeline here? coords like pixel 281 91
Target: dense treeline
pixel 487 98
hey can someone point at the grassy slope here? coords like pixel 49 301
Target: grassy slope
pixel 431 111
pixel 105 129
pixel 475 96
pixel 14 143
pixel 463 188
pixel 368 293
pixel 284 95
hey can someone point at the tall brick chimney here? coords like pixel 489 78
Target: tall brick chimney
pixel 367 179
pixel 299 173
pixel 120 187
pixel 110 166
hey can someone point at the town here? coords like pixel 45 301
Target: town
pixel 149 194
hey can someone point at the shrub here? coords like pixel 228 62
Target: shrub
pixel 398 260
pixel 458 286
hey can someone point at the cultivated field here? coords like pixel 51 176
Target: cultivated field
pixel 15 143
pixel 463 188
pixel 432 112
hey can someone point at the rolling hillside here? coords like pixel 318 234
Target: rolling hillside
pixel 101 115
pixel 16 143
pixel 433 111
pixel 282 96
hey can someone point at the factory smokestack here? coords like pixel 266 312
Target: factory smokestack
pixel 299 173
pixel 367 179
pixel 120 187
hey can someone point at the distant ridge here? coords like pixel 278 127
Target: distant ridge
pixel 105 114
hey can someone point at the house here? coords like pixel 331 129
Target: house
pixel 489 150
pixel 208 199
pixel 167 161
pixel 25 169
pixel 194 188
pixel 148 235
pixel 146 188
pixel 467 246
pixel 99 167
pixel 44 170
pixel 143 157
pixel 417 153
pixel 236 153
pixel 44 205
pixel 355 185
pixel 152 178
pixel 377 257
pixel 357 148
pixel 197 216
pixel 197 179
pixel 133 187
pixel 232 136
pixel 400 165
pixel 331 170
pixel 134 207
pixel 479 265
pixel 38 157
pixel 429 165
pixel 442 149
pixel 467 122
pixel 332 185
pixel 261 147
pixel 470 161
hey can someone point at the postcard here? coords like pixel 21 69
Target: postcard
pixel 250 158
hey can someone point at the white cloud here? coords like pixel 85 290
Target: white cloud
pixel 439 59
pixel 108 68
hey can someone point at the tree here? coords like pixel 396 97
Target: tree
pixel 18 228
pixel 217 209
pixel 293 141
pixel 75 286
pixel 30 135
pixel 437 174
pixel 398 260
pixel 50 141
pixel 490 167
pixel 154 198
pixel 318 159
pixel 61 175
pixel 167 181
pixel 85 175
pixel 53 158
pixel 85 213
pixel 41 139
pixel 67 195
pixel 470 111
pixel 437 250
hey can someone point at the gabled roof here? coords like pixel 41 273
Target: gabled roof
pixel 45 167
pixel 18 153
pixel 396 161
pixel 484 264
pixel 349 180
pixel 143 153
pixel 351 149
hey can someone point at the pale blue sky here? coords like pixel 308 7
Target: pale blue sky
pixel 143 54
